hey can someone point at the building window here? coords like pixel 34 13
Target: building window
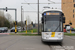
pixel 74 5
pixel 73 10
pixel 73 15
pixel 73 0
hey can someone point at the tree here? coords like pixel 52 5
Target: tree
pixel 4 22
pixel 8 17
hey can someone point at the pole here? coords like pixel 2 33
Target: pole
pixel 38 16
pixel 70 29
pixel 26 26
pixel 32 27
pixel 21 18
pixel 15 15
pixel 15 21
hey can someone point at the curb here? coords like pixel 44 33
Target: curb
pixel 4 33
pixel 27 33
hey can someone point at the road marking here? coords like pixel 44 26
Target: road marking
pixel 58 47
pixel 29 48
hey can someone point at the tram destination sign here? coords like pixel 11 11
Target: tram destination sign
pixel 48 13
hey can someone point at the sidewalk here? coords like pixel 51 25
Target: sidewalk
pixel 4 33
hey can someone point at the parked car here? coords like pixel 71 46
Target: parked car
pixel 19 28
pixel 5 29
pixel 2 30
pixel 72 29
pixel 13 29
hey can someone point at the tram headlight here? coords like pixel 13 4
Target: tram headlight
pixel 59 33
pixel 46 33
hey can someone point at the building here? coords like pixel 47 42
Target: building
pixel 68 8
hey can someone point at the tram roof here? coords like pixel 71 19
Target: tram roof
pixel 51 10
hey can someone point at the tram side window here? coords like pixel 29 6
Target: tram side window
pixel 73 0
pixel 73 10
pixel 73 15
pixel 74 5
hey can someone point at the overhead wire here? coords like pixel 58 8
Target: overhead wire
pixel 54 3
pixel 34 8
pixel 51 1
pixel 29 5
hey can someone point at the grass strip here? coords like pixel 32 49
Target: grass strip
pixel 34 30
pixel 69 34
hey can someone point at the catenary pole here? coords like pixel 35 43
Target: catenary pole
pixel 38 16
pixel 21 18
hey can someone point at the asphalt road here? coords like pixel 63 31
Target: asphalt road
pixel 34 43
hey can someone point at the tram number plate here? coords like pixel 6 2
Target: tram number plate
pixel 53 34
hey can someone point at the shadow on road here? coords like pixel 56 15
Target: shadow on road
pixel 52 43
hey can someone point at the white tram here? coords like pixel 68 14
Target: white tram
pixel 52 25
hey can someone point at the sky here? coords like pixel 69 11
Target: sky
pixel 27 7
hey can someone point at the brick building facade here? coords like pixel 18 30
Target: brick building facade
pixel 68 8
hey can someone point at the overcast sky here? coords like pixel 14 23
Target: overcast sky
pixel 31 7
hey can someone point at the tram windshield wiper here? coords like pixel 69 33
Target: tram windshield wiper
pixel 57 27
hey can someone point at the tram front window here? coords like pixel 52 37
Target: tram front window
pixel 52 26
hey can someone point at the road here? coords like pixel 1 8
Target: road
pixel 33 43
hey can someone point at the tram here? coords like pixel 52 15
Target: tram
pixel 52 25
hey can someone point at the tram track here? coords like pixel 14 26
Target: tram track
pixel 56 47
pixel 63 47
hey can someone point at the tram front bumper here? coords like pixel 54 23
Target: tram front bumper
pixel 52 40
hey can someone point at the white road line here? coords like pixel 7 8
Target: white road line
pixel 29 48
pixel 58 47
